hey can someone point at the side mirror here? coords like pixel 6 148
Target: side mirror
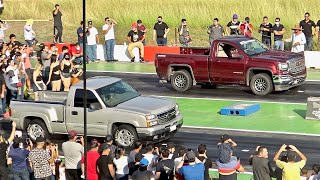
pixel 237 56
pixel 95 106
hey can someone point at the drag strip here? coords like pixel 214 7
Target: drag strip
pixel 148 84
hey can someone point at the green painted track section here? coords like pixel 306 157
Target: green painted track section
pixel 272 117
pixel 313 74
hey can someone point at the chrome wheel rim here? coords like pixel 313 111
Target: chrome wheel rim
pixel 260 85
pixel 35 131
pixel 125 137
pixel 180 81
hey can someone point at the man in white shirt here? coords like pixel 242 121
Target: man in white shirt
pixel 298 39
pixel 108 31
pixel 29 34
pixel 3 27
pixel 92 41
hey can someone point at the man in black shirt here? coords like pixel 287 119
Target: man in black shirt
pixel 104 164
pixel 308 27
pixel 278 30
pixel 202 150
pixel 262 169
pixel 165 168
pixel 160 32
pixel 57 23
pixel 265 29
pixel 4 144
pixel 135 38
pixel 233 26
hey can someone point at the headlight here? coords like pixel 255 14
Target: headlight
pixel 283 66
pixel 177 110
pixel 151 117
pixel 151 120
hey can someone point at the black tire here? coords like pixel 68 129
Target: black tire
pixel 42 130
pixel 261 84
pixel 125 140
pixel 181 80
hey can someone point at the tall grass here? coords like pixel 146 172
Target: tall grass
pixel 199 14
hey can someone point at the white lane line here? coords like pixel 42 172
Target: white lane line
pixel 253 131
pixel 230 99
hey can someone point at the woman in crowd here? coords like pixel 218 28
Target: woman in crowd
pixel 55 74
pixel 76 74
pixel 38 84
pixel 121 162
pixel 66 67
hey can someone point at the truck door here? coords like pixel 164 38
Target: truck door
pixel 227 65
pixel 95 126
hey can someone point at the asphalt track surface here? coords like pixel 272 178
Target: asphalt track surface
pixel 148 84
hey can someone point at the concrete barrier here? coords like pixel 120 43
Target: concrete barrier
pixel 312 59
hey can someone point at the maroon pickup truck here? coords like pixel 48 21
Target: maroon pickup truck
pixel 233 60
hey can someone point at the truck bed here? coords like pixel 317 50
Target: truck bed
pixel 50 96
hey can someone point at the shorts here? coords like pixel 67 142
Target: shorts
pixel 66 75
pixel 36 89
pixel 29 73
pixel 55 77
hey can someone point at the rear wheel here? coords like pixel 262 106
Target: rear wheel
pixel 125 135
pixel 37 128
pixel 181 80
pixel 261 84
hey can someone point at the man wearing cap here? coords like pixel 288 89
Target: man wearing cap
pixel 298 39
pixel 40 160
pixel 141 27
pixel 135 38
pixel 105 166
pixel 109 140
pixel 73 153
pixel 246 28
pixel 108 31
pixel 233 26
pixel 4 144
pixel 291 169
pixel 215 31
pixel 143 173
pixel 266 29
pixel 195 169
pixel 92 157
pixel 57 24
pixel 309 30
pixel 92 41
pixel 160 32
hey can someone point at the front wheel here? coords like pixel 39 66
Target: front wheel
pixel 37 128
pixel 181 80
pixel 125 135
pixel 261 84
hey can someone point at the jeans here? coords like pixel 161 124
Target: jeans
pixel 308 45
pixel 279 45
pixel 58 36
pixel 266 41
pixel 45 76
pixel 23 83
pixel 110 49
pixel 78 60
pixel 21 175
pixel 122 176
pixel 161 41
pixel 92 52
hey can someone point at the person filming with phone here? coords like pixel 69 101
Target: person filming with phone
pixel 291 168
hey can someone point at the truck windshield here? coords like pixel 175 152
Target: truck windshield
pixel 116 93
pixel 253 47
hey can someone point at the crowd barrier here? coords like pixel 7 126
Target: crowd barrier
pixel 121 53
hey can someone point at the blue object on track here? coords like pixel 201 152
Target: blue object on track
pixel 240 109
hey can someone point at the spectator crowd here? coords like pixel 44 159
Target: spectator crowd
pixel 21 159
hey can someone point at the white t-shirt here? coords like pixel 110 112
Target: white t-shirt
pixel 15 78
pixel 2 35
pixel 110 34
pixel 92 37
pixel 28 32
pixel 122 165
pixel 152 160
pixel 301 38
pixel 72 153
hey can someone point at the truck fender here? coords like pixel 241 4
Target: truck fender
pixel 27 118
pixel 179 67
pixel 252 71
pixel 113 125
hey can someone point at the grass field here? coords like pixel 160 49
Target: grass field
pixel 199 14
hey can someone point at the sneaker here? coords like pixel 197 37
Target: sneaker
pixel 141 59
pixel 132 59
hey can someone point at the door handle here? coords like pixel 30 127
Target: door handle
pixel 74 113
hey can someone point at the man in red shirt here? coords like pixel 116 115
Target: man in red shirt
pixel 77 56
pixel 92 157
pixel 142 28
pixel 246 27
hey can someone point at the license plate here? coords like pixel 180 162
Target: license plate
pixel 172 128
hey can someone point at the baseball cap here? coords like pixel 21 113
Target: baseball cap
pixel 104 146
pixel 144 162
pixel 40 139
pixel 235 16
pixel 191 155
pixel 108 138
pixel 134 25
pixel 90 22
pixel 72 133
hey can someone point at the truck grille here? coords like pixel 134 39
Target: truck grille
pixel 296 65
pixel 167 116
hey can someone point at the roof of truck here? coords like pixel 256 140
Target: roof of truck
pixel 235 38
pixel 98 82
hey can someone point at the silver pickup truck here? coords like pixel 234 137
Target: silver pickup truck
pixel 113 107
